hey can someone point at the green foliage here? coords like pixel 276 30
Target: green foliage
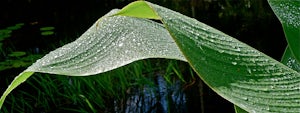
pixel 237 72
pixel 140 9
pixel 6 33
pixel 48 93
pixel 15 27
pixel 288 12
pixel 239 110
pixel 16 61
pixel 12 58
pixel 46 28
pixel 17 54
pixel 45 31
pixel 16 82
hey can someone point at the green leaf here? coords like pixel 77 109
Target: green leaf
pixel 16 82
pixel 20 24
pixel 110 43
pixel 289 60
pixel 4 36
pixel 17 54
pixel 239 110
pixel 47 28
pixel 239 73
pixel 138 9
pixel 16 27
pixel 288 12
pixel 5 31
pixel 47 33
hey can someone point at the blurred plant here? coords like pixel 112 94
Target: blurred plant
pixel 45 31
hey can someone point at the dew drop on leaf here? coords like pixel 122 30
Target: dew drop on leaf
pixel 249 70
pixel 117 41
pixel 234 63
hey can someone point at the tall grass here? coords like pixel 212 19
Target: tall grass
pixel 106 92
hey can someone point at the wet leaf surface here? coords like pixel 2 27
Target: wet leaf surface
pixel 288 13
pixel 110 43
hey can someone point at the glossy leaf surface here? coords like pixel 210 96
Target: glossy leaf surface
pixel 139 9
pixel 112 42
pixel 288 12
pixel 236 71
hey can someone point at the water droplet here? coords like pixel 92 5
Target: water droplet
pixel 249 70
pixel 121 44
pixel 238 49
pixel 234 63
pixel 245 98
pixel 253 111
pixel 268 108
pixel 221 51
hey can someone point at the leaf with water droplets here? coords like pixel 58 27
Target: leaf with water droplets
pixel 112 42
pixel 139 9
pixel 241 74
pixel 288 12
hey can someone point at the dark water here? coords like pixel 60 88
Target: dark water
pixel 250 21
pixel 175 97
pixel 164 98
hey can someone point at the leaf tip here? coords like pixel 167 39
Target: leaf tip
pixel 139 9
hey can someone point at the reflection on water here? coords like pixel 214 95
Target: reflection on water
pixel 163 98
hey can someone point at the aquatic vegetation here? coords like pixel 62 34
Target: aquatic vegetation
pixel 45 31
pixel 13 58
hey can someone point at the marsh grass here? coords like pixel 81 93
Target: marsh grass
pixel 98 93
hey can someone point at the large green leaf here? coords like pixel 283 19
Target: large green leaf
pixel 110 43
pixel 288 12
pixel 236 71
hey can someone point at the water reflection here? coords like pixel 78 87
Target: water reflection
pixel 162 98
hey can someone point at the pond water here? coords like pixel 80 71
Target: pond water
pixel 163 98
